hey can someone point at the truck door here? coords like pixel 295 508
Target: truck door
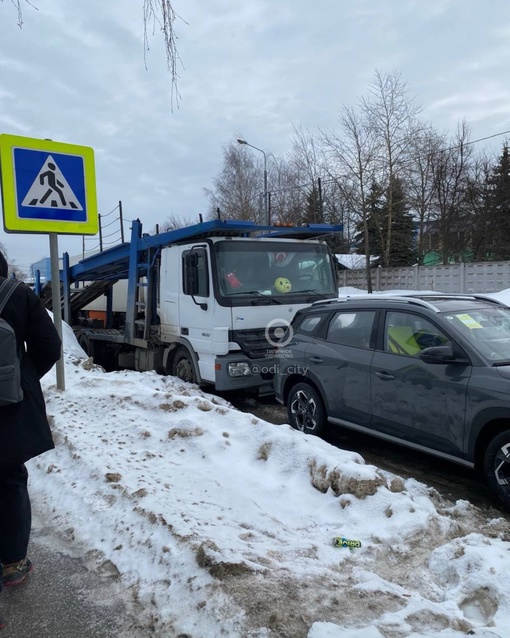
pixel 196 314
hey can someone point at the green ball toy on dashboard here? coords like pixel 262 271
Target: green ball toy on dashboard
pixel 282 284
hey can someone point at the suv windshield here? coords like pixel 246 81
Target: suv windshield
pixel 488 329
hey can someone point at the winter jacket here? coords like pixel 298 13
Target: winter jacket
pixel 24 427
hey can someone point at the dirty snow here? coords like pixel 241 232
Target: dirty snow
pixel 221 524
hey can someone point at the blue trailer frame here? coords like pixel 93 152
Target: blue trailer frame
pixel 137 258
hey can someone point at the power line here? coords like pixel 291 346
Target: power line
pixel 481 139
pixel 334 179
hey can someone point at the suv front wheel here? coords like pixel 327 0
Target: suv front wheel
pixel 306 410
pixel 496 465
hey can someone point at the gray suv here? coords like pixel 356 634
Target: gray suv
pixel 428 372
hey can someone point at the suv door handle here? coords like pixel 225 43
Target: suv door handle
pixel 316 359
pixel 385 376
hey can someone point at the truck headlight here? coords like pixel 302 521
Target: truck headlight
pixel 241 369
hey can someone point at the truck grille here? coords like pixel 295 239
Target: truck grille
pixel 254 343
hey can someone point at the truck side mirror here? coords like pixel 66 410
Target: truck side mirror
pixel 190 279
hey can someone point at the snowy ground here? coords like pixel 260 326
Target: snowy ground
pixel 221 524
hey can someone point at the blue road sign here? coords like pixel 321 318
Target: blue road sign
pixel 47 186
pixel 50 185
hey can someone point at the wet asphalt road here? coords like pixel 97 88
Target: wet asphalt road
pixel 63 598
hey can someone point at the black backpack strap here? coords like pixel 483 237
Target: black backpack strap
pixel 6 290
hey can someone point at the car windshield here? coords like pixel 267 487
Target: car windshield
pixel 279 269
pixel 488 329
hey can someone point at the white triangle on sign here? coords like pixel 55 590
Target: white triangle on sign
pixel 51 190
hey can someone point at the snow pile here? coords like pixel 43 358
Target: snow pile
pixel 223 525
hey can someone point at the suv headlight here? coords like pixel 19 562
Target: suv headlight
pixel 241 369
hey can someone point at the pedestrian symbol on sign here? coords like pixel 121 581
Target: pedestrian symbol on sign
pixel 50 189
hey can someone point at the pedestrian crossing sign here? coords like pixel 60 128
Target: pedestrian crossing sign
pixel 47 187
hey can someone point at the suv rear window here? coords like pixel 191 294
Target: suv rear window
pixel 309 324
pixel 351 328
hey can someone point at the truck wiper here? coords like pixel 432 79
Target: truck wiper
pixel 501 363
pixel 256 292
pixel 318 295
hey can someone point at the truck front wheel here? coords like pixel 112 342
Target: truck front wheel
pixel 183 366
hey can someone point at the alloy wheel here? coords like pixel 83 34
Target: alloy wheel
pixel 304 411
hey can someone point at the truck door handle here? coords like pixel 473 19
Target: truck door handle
pixel 316 359
pixel 385 376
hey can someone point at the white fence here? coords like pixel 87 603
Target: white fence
pixel 454 278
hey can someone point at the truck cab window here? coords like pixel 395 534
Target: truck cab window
pixel 195 272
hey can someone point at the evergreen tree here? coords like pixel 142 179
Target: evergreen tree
pixel 312 213
pixel 403 248
pixel 376 223
pixel 499 207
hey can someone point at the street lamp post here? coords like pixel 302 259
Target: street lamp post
pixel 266 207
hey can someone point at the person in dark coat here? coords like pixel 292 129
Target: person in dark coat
pixel 24 428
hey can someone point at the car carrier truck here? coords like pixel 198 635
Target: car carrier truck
pixel 206 303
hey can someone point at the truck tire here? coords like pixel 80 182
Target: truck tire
pixel 305 409
pixel 85 343
pixel 183 367
pixel 99 353
pixel 496 466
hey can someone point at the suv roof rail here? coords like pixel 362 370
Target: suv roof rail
pixel 371 297
pixel 445 296
pixel 487 298
pixel 412 298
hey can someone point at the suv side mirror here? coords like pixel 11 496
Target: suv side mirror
pixel 442 355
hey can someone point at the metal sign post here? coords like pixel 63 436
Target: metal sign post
pixel 56 305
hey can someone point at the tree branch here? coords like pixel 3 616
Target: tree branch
pixel 162 13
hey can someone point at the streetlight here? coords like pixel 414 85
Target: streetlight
pixel 266 207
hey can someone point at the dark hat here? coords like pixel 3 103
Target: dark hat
pixel 4 268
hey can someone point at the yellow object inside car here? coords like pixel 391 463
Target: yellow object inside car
pixel 401 340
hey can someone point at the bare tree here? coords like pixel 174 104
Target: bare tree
pixel 161 13
pixel 17 5
pixel 173 222
pixel 354 158
pixel 292 178
pixel 157 14
pixel 236 192
pixel 451 170
pixel 393 116
pixel 420 181
pixel 14 269
pixel 287 195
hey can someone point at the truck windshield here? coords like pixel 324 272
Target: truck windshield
pixel 291 270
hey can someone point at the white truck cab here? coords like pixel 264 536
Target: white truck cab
pixel 208 303
pixel 228 299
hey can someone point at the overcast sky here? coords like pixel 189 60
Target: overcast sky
pixel 75 73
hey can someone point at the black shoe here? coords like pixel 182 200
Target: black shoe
pixel 16 573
